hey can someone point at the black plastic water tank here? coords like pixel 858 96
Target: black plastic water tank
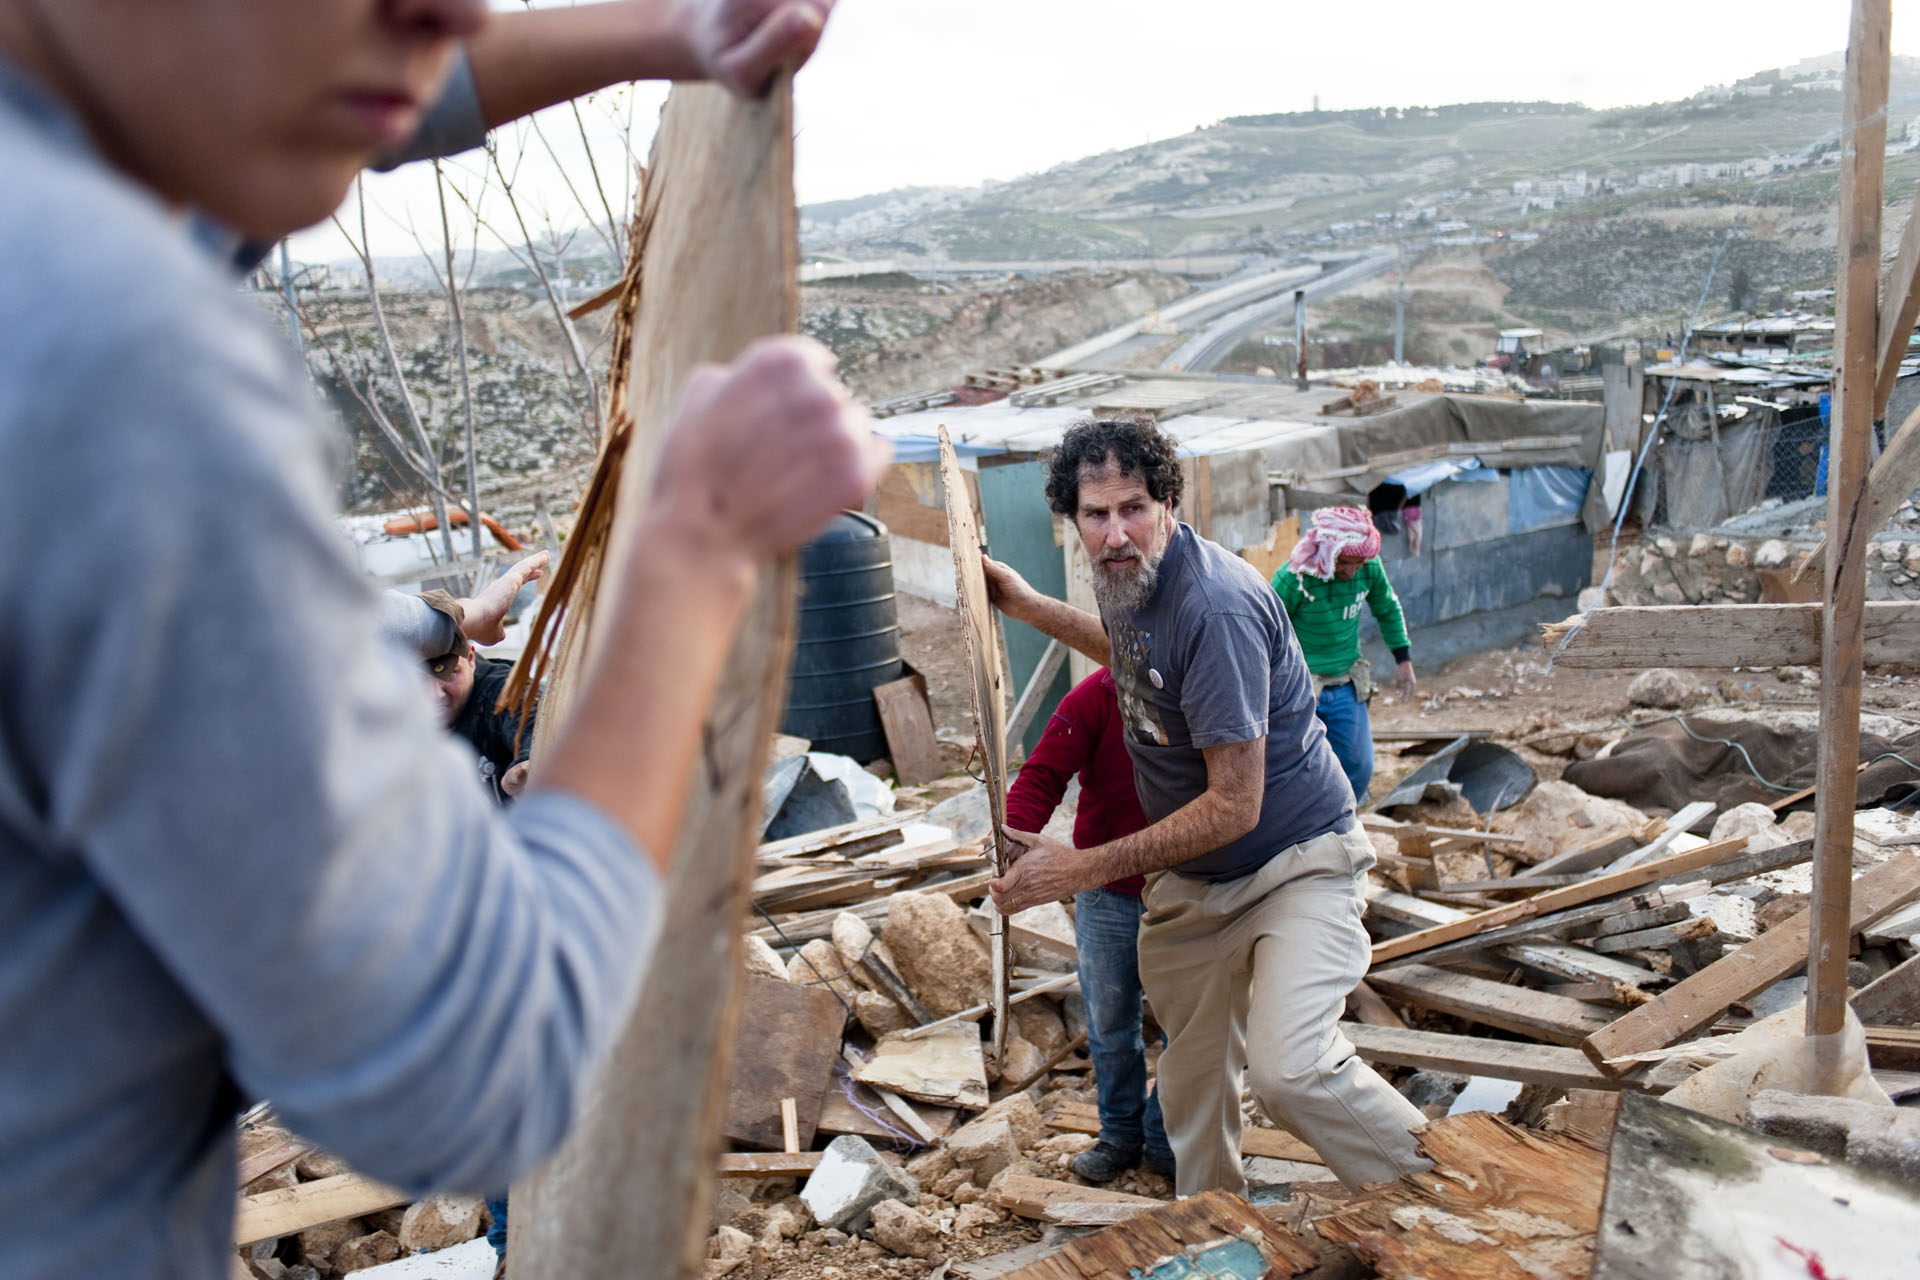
pixel 849 638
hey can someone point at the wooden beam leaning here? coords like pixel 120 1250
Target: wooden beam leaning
pixel 1863 139
pixel 989 701
pixel 716 246
pixel 1899 308
pixel 1724 635
pixel 1554 900
pixel 1028 706
pixel 1698 1000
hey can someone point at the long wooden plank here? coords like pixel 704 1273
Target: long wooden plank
pixel 1478 1056
pixel 717 252
pixel 1555 899
pixel 769 1164
pixel 1028 705
pixel 1856 309
pixel 286 1210
pixel 1892 998
pixel 1723 635
pixel 1698 1000
pixel 1534 1014
pixel 1899 308
pixel 988 693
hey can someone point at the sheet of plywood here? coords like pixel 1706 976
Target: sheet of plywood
pixel 1502 1203
pixel 908 725
pixel 714 268
pixel 788 1041
pixel 988 692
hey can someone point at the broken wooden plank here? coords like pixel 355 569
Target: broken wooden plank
pixel 789 1037
pixel 1214 1234
pixel 819 924
pixel 1521 1010
pixel 1722 635
pixel 1555 899
pixel 1749 969
pixel 1029 1197
pixel 1892 999
pixel 1502 1203
pixel 717 248
pixel 1693 929
pixel 1364 1004
pixel 908 724
pixel 287 1210
pixel 1084 1117
pixel 769 1164
pixel 1480 1056
pixel 266 1160
pixel 1028 705
pixel 1630 921
pixel 810 843
pixel 987 691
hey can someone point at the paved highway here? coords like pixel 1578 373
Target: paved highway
pixel 1222 331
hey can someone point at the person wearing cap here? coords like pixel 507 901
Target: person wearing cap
pixel 1334 570
pixel 1085 737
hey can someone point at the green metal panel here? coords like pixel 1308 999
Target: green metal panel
pixel 1020 533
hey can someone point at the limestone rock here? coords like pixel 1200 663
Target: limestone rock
pixel 984 1148
pixel 1798 825
pixel 1660 687
pixel 951 1182
pixel 1040 1025
pixel 730 1243
pixel 440 1221
pixel 316 1244
pixel 819 964
pixel 1771 554
pixel 1022 1060
pixel 1912 558
pixel 762 959
pixel 1590 598
pixel 879 1015
pixel 1739 555
pixel 1433 1091
pixel 937 953
pixel 320 1164
pixel 905 1232
pixel 849 1181
pixel 367 1251
pixel 931 1166
pixel 1557 816
pixel 1702 543
pixel 1753 820
pixel 851 937
pixel 1028 1125
pixel 975 1218
pixel 1050 921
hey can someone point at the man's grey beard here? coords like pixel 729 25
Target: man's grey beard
pixel 1126 592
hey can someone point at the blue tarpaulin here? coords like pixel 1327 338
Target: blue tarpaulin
pixel 1541 497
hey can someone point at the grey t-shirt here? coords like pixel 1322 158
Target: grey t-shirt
pixel 1211 659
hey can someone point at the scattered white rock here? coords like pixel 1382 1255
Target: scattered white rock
pixel 983 1148
pixel 440 1221
pixel 849 1181
pixel 1771 554
pixel 1753 820
pixel 938 954
pixel 762 959
pixel 1739 555
pixel 904 1231
pixel 1660 687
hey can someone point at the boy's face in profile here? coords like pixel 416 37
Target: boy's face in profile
pixel 258 112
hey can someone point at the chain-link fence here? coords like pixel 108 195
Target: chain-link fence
pixel 1707 468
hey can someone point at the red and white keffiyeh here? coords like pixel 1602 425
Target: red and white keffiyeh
pixel 1336 532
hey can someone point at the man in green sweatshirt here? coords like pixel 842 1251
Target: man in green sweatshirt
pixel 1334 570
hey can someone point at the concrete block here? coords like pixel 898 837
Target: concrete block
pixel 850 1180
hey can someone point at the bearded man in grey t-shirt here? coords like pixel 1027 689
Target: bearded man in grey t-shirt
pixel 1252 938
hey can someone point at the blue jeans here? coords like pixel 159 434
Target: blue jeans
pixel 1106 929
pixel 1350 734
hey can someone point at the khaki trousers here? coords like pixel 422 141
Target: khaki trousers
pixel 1248 977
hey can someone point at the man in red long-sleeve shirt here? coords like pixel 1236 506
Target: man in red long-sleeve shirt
pixel 1084 737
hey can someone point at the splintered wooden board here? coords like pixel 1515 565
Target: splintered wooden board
pixel 988 692
pixel 1084 1117
pixel 1502 1203
pixel 788 1041
pixel 1688 1195
pixel 1220 1235
pixel 718 261
pixel 908 725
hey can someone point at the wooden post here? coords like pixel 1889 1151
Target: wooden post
pixel 629 1191
pixel 1863 137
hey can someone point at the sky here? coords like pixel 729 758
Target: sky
pixel 956 92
